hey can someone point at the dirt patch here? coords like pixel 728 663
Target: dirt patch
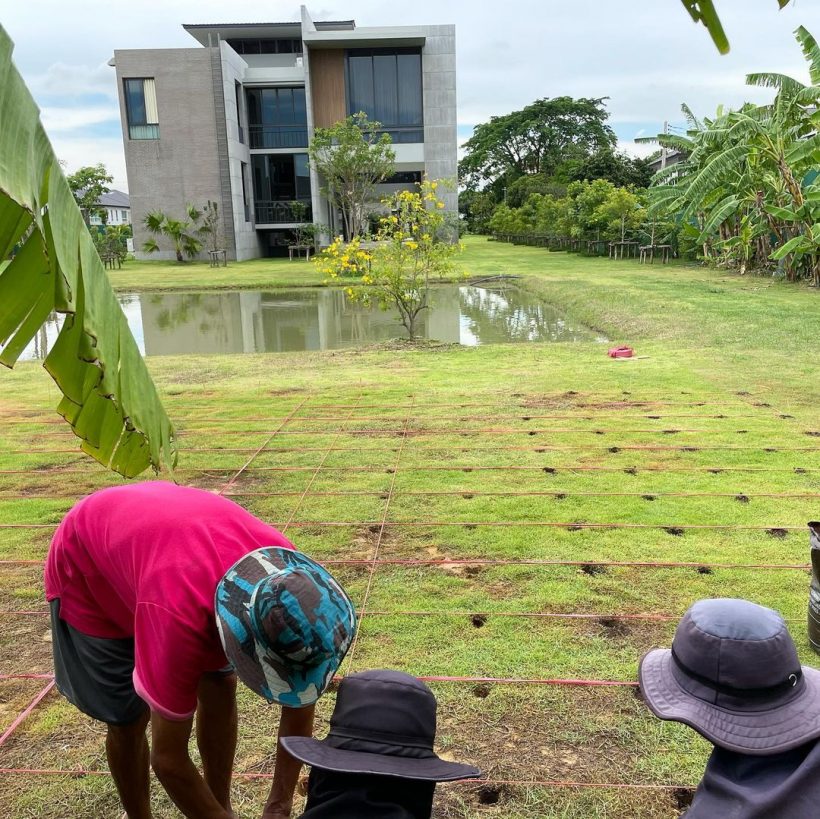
pixel 593 569
pixel 777 532
pixel 742 498
pixel 675 531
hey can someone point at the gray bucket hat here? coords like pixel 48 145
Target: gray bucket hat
pixel 384 724
pixel 733 675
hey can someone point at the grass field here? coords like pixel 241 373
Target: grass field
pixel 524 482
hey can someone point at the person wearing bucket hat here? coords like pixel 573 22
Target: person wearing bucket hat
pixel 378 758
pixel 161 596
pixel 733 675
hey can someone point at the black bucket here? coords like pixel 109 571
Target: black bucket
pixel 814 591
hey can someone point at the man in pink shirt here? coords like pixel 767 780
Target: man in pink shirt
pixel 161 596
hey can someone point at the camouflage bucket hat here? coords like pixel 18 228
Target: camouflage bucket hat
pixel 285 624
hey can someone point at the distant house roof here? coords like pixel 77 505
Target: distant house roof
pixel 115 199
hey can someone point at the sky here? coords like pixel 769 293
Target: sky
pixel 646 56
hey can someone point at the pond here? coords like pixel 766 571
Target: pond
pixel 252 321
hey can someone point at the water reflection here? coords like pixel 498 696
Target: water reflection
pixel 323 319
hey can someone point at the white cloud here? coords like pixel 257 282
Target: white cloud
pixel 71 119
pixel 74 80
pixel 79 151
pixel 640 149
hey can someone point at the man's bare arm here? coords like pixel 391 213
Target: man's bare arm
pixel 295 722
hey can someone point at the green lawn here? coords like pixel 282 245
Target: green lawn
pixel 702 450
pixel 254 274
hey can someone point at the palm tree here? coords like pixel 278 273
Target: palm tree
pixel 183 233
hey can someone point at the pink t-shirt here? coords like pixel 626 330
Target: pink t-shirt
pixel 143 561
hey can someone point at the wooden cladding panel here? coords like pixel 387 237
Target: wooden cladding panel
pixel 327 86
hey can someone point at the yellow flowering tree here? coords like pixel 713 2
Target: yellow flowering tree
pixel 412 247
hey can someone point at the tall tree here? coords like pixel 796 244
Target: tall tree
pixel 535 140
pixel 88 184
pixel 352 157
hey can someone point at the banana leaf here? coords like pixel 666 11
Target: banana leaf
pixel 49 263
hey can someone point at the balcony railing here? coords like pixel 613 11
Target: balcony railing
pixel 276 213
pixel 278 136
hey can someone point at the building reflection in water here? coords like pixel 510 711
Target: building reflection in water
pixel 323 319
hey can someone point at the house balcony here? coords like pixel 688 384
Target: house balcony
pixel 286 212
pixel 278 136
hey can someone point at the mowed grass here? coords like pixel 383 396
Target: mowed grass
pixel 544 464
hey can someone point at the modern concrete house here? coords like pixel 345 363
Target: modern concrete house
pixel 230 120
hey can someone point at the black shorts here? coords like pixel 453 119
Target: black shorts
pixel 95 673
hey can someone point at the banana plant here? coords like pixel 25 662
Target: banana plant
pixel 48 263
pixel 703 11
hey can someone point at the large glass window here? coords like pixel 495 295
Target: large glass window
pixel 386 85
pixel 281 188
pixel 277 118
pixel 141 108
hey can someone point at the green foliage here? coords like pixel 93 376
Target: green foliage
pixel 412 246
pixel 111 241
pixel 185 234
pixel 352 157
pixel 88 184
pixel 703 11
pixel 108 396
pixel 535 140
pixel 748 185
pixel 620 169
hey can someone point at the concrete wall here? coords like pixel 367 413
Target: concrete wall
pixel 246 239
pixel 183 165
pixel 438 66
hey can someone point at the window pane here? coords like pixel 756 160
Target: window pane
pixel 267 47
pixel 386 104
pixel 135 101
pixel 269 106
pixel 409 82
pixel 284 46
pixel 299 111
pixel 302 170
pixel 285 106
pixel 360 85
pixel 254 106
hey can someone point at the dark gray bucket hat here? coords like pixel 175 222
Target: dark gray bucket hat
pixel 384 724
pixel 733 675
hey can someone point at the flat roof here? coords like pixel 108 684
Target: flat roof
pixel 203 32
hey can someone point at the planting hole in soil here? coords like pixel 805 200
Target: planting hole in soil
pixel 593 569
pixel 560 496
pixel 630 470
pixel 481 691
pixel 614 627
pixel 675 531
pixel 489 795
pixel 614 449
pixel 683 797
pixel 777 532
pixel 467 496
pixel 550 470
pixel 705 570
pixel 785 416
pixel 478 620
pixel 649 497
pixel 742 498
